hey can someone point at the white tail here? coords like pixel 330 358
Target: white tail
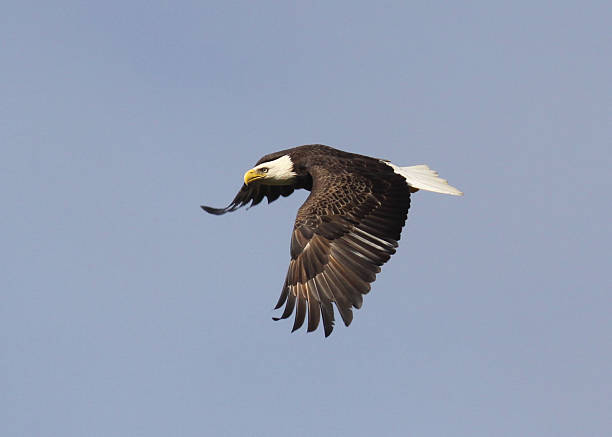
pixel 424 178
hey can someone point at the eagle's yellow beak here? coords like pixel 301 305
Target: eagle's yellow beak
pixel 252 175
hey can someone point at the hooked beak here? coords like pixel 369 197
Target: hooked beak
pixel 252 175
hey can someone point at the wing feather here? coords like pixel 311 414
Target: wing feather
pixel 341 288
pixel 346 230
pixel 283 296
pixel 300 312
pixel 288 307
pixel 327 313
pixel 253 193
pixel 314 309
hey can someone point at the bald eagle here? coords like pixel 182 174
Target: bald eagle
pixel 347 228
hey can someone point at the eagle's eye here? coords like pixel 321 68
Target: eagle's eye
pixel 264 170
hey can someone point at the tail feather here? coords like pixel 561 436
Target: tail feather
pixel 424 178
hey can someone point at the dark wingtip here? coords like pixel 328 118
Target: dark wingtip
pixel 215 211
pixel 328 329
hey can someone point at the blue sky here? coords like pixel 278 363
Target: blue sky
pixel 127 311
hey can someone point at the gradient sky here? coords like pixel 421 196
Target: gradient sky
pixel 127 311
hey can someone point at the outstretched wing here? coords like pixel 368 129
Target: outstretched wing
pixel 348 227
pixel 253 193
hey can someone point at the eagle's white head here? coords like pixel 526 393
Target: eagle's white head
pixel 276 172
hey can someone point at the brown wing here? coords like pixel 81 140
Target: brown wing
pixel 348 227
pixel 253 193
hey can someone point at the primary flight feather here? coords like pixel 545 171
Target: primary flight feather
pixel 347 228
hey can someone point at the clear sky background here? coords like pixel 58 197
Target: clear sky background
pixel 127 311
